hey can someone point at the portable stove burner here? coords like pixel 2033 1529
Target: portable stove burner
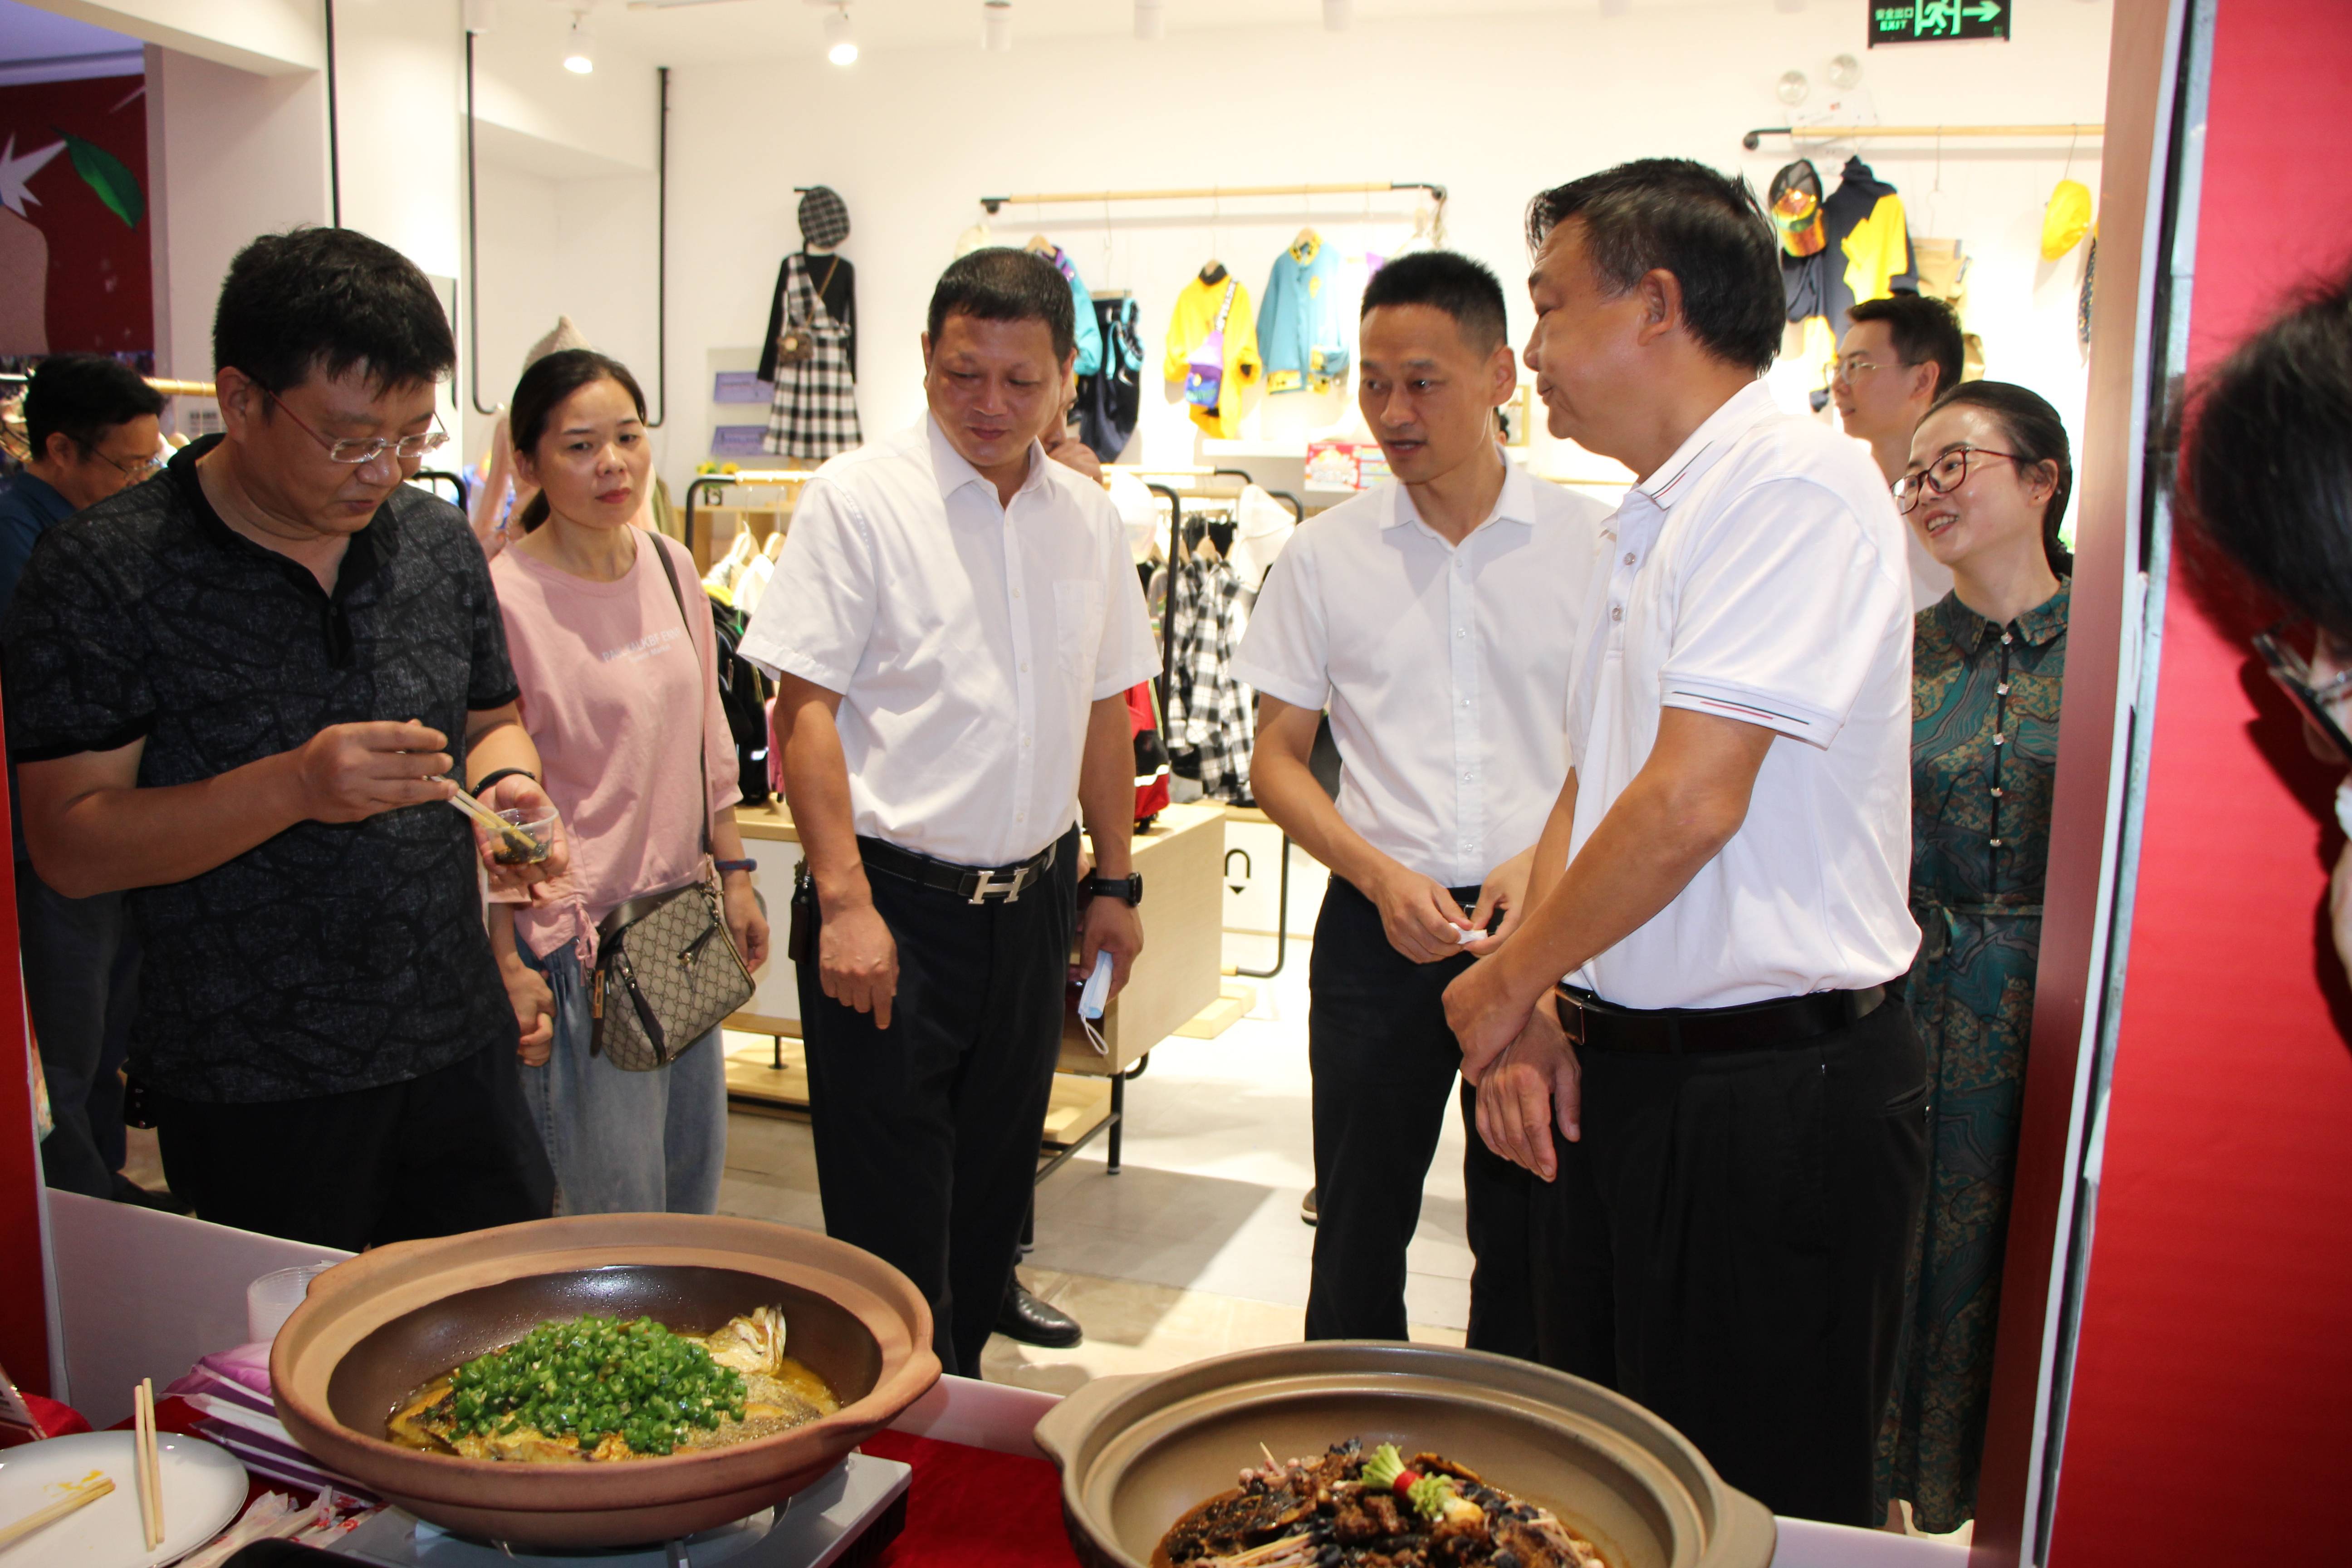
pixel 839 1522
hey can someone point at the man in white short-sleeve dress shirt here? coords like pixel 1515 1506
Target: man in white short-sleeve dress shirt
pixel 1432 614
pixel 1729 1103
pixel 954 624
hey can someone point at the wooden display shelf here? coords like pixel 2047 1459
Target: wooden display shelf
pixel 1175 987
pixel 775 1080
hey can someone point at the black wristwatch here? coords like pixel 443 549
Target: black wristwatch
pixel 1129 890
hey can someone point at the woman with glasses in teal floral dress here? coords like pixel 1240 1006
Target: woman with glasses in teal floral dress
pixel 1986 490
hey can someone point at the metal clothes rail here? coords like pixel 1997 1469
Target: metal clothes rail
pixel 714 483
pixel 1168 660
pixel 1881 132
pixel 1213 193
pixel 427 479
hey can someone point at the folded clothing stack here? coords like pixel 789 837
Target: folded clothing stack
pixel 231 1390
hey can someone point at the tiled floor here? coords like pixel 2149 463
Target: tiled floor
pixel 1195 1246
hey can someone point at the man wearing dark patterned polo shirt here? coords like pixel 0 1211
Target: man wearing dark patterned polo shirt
pixel 237 691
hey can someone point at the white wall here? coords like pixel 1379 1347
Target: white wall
pixel 1496 108
pixel 230 154
pixel 240 149
pixel 270 37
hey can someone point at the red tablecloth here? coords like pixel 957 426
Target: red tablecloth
pixel 973 1507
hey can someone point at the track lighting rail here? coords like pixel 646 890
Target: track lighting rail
pixel 1195 193
pixel 1877 132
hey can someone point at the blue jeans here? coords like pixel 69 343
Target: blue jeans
pixel 626 1142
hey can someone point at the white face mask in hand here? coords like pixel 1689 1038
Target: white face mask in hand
pixel 1092 1000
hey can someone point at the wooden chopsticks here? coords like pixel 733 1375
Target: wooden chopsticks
pixel 513 837
pixel 81 1496
pixel 150 1476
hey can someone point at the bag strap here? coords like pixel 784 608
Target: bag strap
pixel 701 742
pixel 1225 306
pixel 816 290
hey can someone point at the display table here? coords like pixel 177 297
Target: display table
pixel 141 1293
pixel 1180 858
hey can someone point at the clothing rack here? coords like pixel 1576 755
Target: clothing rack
pixel 425 478
pixel 1881 132
pixel 1168 656
pixel 1215 193
pixel 714 483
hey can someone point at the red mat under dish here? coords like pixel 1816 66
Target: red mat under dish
pixel 974 1508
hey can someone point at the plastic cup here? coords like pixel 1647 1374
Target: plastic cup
pixel 272 1299
pixel 538 823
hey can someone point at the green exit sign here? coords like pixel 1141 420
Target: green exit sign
pixel 1936 21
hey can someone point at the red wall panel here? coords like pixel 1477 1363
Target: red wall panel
pixel 24 1301
pixel 2210 1413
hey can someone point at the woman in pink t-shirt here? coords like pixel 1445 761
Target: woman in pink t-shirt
pixel 620 684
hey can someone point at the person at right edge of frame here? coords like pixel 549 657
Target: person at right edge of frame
pixel 1444 592
pixel 954 626
pixel 1985 489
pixel 1725 1097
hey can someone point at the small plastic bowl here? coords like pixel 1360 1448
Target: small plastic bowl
pixel 538 825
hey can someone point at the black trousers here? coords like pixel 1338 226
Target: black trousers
pixel 1725 1246
pixel 81 986
pixel 927 1131
pixel 1384 1062
pixel 452 1151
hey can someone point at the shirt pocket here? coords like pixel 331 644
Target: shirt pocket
pixel 1078 625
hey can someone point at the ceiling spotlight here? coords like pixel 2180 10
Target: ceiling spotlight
pixel 1150 20
pixel 579 46
pixel 840 44
pixel 996 26
pixel 1337 15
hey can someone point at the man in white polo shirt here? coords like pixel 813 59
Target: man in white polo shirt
pixel 1729 1104
pixel 1434 614
pixel 953 626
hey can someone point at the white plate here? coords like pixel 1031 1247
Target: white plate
pixel 204 1489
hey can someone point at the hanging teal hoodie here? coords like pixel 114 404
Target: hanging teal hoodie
pixel 1089 333
pixel 1301 330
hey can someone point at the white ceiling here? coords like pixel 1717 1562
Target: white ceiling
pixel 739 29
pixel 27 34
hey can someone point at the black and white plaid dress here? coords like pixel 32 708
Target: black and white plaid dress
pixel 815 414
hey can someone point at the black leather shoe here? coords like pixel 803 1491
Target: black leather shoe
pixel 1307 1205
pixel 1026 1318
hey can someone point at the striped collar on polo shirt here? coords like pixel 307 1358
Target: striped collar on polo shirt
pixel 1706 446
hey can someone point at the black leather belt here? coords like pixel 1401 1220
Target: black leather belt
pixel 1756 1026
pixel 973 884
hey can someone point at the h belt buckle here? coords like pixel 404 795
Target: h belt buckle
pixel 1011 887
pixel 1571 1012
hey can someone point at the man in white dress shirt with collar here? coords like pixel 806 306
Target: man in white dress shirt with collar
pixel 1434 616
pixel 953 626
pixel 1729 1106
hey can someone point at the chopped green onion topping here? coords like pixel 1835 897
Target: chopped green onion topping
pixel 595 1377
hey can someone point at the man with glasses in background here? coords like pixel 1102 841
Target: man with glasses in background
pixel 243 695
pixel 93 429
pixel 1899 355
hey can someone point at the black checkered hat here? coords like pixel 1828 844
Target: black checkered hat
pixel 824 220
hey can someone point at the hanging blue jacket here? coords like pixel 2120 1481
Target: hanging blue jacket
pixel 1301 330
pixel 1088 333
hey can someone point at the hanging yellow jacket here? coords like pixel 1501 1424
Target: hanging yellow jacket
pixel 1212 350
